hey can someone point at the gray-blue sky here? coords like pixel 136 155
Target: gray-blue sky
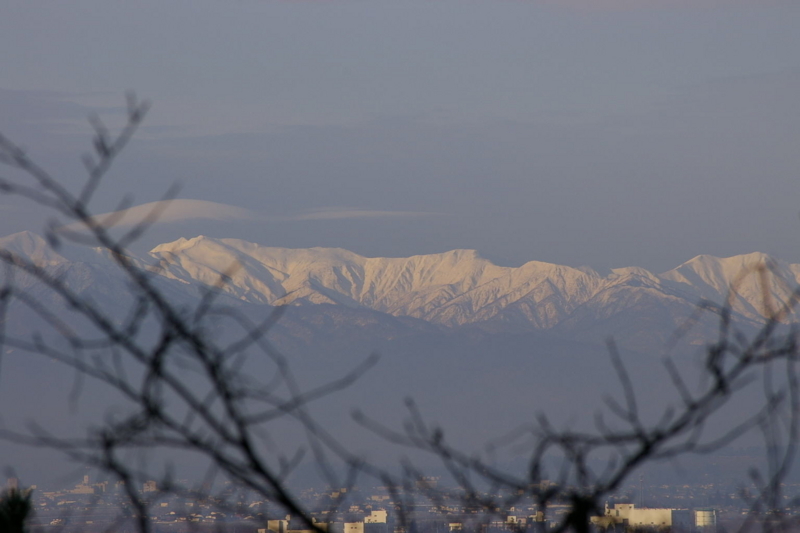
pixel 602 132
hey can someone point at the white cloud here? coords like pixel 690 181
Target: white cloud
pixel 336 213
pixel 178 210
pixel 629 5
pixel 181 210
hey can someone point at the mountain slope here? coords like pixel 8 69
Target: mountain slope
pixel 455 289
pixel 460 287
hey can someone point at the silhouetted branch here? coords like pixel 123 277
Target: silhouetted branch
pixel 186 390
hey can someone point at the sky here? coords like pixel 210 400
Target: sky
pixel 606 133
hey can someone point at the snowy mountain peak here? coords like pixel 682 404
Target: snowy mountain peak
pixel 455 287
pixel 24 242
pixel 460 287
pixel 178 245
pixel 33 247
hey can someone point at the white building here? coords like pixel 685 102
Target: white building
pixel 705 518
pixel 377 516
pixel 628 514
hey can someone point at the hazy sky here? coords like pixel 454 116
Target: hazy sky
pixel 599 132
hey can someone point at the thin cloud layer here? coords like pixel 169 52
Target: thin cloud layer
pixel 183 210
pixel 168 211
pixel 631 5
pixel 337 213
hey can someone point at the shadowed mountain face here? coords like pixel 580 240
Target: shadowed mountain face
pixel 460 287
pixel 386 298
pixel 481 348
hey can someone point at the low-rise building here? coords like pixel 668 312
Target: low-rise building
pixel 627 514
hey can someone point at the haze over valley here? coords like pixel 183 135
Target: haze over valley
pixel 547 235
pixel 448 327
pixel 455 289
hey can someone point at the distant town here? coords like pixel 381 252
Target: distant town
pixel 94 507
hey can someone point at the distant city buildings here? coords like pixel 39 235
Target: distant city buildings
pixel 627 515
pixel 89 507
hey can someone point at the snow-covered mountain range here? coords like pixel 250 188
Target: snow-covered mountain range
pixel 460 287
pixel 454 289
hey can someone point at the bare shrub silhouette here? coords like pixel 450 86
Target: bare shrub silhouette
pixel 15 510
pixel 186 390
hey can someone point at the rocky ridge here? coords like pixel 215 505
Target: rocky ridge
pixel 460 287
pixel 455 289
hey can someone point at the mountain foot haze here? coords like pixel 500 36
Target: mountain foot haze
pixel 442 293
pixel 481 349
